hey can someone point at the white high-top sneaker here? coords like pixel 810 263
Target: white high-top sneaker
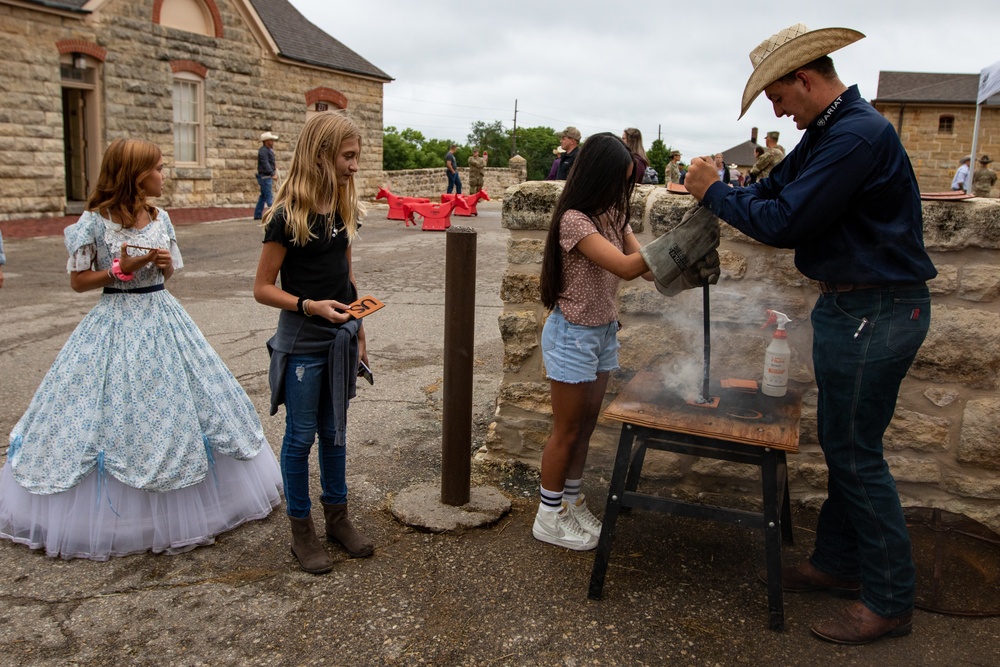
pixel 561 529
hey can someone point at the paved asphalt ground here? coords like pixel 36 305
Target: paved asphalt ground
pixel 679 592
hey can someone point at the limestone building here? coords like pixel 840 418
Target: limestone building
pixel 934 115
pixel 201 78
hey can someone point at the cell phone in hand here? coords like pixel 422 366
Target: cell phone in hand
pixel 365 372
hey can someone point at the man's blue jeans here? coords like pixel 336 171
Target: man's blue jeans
pixel 308 411
pixel 454 182
pixel 863 344
pixel 266 196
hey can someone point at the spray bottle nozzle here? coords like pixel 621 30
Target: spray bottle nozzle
pixel 774 317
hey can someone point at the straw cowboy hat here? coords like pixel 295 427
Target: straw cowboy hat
pixel 268 136
pixel 788 50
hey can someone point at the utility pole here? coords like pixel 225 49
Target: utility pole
pixel 659 132
pixel 513 134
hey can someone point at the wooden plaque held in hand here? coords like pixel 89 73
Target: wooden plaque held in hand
pixel 366 305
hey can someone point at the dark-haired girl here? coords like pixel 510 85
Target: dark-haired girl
pixel 590 248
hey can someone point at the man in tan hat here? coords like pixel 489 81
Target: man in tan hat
pixel 773 154
pixel 847 201
pixel 984 178
pixel 266 171
pixel 569 141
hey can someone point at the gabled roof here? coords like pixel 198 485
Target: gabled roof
pixel 298 39
pixel 740 154
pixel 927 87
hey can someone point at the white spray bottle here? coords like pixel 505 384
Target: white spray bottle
pixel 776 358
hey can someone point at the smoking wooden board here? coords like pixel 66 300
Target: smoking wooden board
pixel 749 419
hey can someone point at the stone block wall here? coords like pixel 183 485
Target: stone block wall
pixel 246 91
pixel 943 444
pixel 430 183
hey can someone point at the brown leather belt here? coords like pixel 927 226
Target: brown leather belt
pixel 830 288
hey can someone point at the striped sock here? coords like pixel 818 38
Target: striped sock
pixel 551 501
pixel 571 490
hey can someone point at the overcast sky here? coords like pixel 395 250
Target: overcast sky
pixel 604 65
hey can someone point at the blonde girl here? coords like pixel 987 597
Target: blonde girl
pixel 308 240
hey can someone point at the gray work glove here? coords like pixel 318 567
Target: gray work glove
pixel 680 249
pixel 706 270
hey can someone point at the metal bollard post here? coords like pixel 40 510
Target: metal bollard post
pixel 459 340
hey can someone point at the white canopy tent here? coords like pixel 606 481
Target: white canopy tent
pixel 989 85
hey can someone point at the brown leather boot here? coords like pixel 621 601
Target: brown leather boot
pixel 306 548
pixel 340 529
pixel 857 624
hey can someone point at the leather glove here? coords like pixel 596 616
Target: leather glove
pixel 682 247
pixel 706 270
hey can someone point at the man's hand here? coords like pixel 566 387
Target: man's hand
pixel 701 174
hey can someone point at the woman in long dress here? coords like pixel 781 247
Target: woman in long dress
pixel 139 438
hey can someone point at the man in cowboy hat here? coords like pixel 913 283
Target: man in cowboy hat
pixel 266 171
pixel 984 178
pixel 569 141
pixel 845 198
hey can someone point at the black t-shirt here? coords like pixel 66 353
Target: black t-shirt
pixel 318 270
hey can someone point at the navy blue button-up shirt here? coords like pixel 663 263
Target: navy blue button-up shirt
pixel 845 198
pixel 265 161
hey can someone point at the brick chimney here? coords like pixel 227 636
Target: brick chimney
pixel 753 135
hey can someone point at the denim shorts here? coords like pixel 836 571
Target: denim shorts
pixel 575 353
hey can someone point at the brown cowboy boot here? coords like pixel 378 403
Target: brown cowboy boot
pixel 340 529
pixel 306 548
pixel 857 624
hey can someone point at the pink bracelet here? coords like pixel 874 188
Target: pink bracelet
pixel 116 271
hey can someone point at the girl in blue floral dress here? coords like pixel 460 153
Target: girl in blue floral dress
pixel 139 437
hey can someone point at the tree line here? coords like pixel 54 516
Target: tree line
pixel 410 149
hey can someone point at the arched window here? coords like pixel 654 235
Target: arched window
pixel 946 125
pixel 324 99
pixel 201 17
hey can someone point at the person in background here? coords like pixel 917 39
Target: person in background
pixel 308 241
pixel 755 176
pixel 569 141
pixel 673 168
pixel 558 152
pixel 961 174
pixel 633 141
pixel 984 178
pixel 735 177
pixel 769 157
pixel 846 200
pixel 589 249
pixel 451 165
pixel 138 438
pixel 476 166
pixel 267 171
pixel 3 259
pixel 721 169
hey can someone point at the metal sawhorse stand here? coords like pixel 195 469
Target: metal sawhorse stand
pixel 737 431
